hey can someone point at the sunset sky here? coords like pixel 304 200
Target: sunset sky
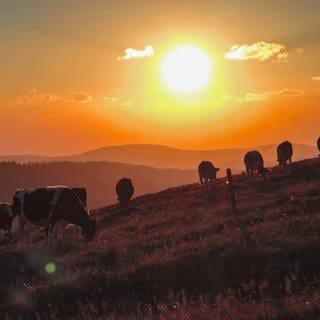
pixel 76 75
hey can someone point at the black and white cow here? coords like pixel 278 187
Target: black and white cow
pixel 6 217
pixel 47 206
pixel 254 163
pixel 207 172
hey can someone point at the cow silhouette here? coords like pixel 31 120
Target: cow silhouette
pixel 253 161
pixel 124 190
pixel 284 153
pixel 207 172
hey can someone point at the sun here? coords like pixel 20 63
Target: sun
pixel 186 69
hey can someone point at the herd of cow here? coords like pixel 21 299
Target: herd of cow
pixel 50 205
pixel 253 162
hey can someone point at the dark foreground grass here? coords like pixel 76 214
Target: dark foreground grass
pixel 181 254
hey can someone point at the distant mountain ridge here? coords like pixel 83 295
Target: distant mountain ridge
pixel 160 156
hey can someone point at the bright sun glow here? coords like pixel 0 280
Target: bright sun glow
pixel 186 69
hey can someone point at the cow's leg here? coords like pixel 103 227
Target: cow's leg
pixel 52 233
pixel 211 184
pixel 264 173
pixel 20 232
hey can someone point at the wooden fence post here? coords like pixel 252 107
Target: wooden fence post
pixel 231 190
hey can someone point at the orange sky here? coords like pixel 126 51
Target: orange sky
pixel 67 84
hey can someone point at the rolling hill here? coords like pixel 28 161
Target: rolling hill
pixel 181 253
pixel 166 157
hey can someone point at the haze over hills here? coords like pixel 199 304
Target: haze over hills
pixel 99 178
pixel 25 158
pixel 167 157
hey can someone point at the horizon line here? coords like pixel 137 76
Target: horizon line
pixel 142 144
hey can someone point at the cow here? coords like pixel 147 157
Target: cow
pixel 207 172
pixel 318 143
pixel 82 195
pixel 124 190
pixel 254 163
pixel 284 153
pixel 46 206
pixel 6 217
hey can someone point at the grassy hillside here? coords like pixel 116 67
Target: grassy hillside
pixel 181 254
pixel 99 178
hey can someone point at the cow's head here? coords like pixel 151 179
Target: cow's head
pixel 214 173
pixel 90 229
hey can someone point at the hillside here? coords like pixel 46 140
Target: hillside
pixel 99 178
pixel 166 157
pixel 181 254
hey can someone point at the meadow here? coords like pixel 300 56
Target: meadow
pixel 181 253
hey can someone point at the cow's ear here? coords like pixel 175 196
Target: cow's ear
pixel 217 169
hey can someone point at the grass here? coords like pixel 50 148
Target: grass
pixel 181 254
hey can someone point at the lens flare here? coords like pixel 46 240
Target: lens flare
pixel 50 267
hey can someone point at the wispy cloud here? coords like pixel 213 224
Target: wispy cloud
pixel 122 102
pixel 131 53
pixel 258 51
pixel 81 97
pixel 316 78
pixel 264 96
pixel 299 50
pixel 35 97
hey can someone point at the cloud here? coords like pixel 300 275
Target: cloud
pixel 81 97
pixel 316 78
pixel 258 51
pixel 130 53
pixel 125 103
pixel 299 50
pixel 264 96
pixel 34 97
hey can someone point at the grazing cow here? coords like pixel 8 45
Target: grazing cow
pixel 284 153
pixel 125 190
pixel 6 217
pixel 82 195
pixel 46 206
pixel 318 143
pixel 254 163
pixel 207 172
